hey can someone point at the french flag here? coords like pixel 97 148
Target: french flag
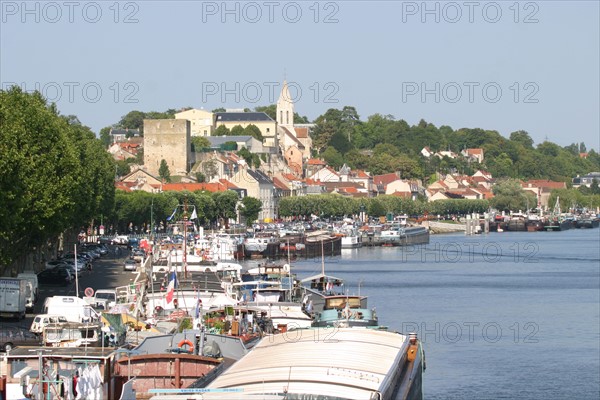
pixel 171 287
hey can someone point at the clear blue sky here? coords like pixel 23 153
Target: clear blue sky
pixel 445 62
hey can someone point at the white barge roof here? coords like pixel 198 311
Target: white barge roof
pixel 350 363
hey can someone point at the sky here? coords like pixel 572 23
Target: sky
pixel 503 66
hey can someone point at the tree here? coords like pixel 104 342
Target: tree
pixel 270 110
pixel 333 157
pixel 237 131
pixel 523 138
pixel 210 169
pixel 225 203
pixel 163 171
pixel 105 136
pixel 220 109
pixel 250 208
pixel 221 130
pixel 200 177
pixel 300 119
pixel 199 143
pixel 254 131
pixel 132 120
pixel 56 175
pixel 510 196
pixel 340 142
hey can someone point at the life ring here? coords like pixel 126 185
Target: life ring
pixel 188 343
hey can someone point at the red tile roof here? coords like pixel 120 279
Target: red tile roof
pixel 316 161
pixel 279 185
pixel 474 151
pixel 301 133
pixel 385 179
pixel 541 183
pixel 192 187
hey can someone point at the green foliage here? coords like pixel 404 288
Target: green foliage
pixel 200 177
pixel 574 198
pixel 225 203
pixel 163 171
pixel 229 146
pixel 123 167
pixel 135 119
pixel 332 205
pixel 210 169
pixel 219 109
pixel 105 136
pixel 270 110
pixel 56 175
pixel 199 143
pixel 237 131
pixel 333 157
pixel 250 209
pixel 510 196
pixel 515 157
pixel 221 130
pixel 254 131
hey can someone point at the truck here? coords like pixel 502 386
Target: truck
pixel 13 297
pixel 103 298
pixel 73 308
pixel 33 290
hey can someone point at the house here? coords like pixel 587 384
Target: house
pixel 281 189
pixel 267 127
pixel 296 185
pixel 474 155
pixel 326 174
pixel 541 189
pixel 382 181
pixel 426 152
pixel 139 179
pixel 353 189
pixel 218 165
pixel 586 180
pixel 313 165
pixel 193 187
pixel 259 186
pixel 483 173
pixel 314 187
pixel 444 153
pixel 122 134
pixel 123 150
pixel 400 187
pixel 201 121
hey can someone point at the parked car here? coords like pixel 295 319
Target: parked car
pixel 54 263
pixel 14 336
pixel 130 264
pixel 138 255
pixel 42 320
pixel 55 276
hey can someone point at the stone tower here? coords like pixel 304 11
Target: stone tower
pixel 169 140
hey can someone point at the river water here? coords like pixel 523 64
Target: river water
pixel 501 316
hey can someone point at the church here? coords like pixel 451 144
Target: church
pixel 294 139
pixel 170 140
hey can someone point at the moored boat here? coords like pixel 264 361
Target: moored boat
pixel 345 363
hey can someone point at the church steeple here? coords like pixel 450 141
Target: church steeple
pixel 285 107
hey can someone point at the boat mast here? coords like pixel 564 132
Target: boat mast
pixel 184 260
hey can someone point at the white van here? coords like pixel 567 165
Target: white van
pixel 73 308
pixel 42 320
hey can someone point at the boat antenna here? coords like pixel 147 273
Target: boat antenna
pixel 322 259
